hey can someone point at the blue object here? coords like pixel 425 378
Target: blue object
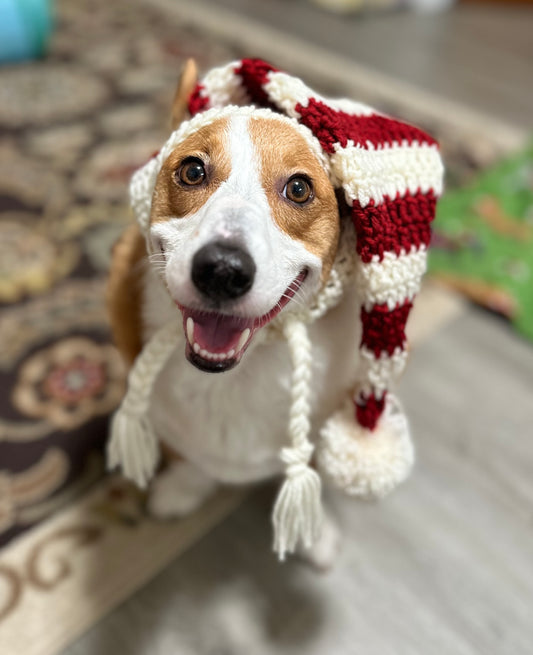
pixel 25 28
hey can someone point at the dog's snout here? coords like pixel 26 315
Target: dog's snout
pixel 222 271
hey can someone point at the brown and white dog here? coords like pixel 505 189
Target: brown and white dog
pixel 244 224
pixel 243 240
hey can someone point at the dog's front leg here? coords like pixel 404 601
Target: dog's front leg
pixel 180 489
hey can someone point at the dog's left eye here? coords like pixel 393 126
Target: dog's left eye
pixel 191 172
pixel 298 189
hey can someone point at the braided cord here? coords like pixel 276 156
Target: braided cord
pixel 300 348
pixel 297 514
pixel 147 367
pixel 133 444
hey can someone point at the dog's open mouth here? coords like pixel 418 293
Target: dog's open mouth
pixel 216 342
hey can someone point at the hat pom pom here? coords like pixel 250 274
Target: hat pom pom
pixel 362 462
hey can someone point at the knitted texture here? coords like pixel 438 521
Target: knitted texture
pixel 391 174
pixel 362 466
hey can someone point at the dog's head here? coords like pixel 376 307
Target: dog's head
pixel 244 224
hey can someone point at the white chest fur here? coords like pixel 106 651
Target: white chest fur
pixel 232 425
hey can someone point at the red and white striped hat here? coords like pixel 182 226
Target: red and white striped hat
pixel 391 174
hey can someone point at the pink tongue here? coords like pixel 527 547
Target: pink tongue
pixel 218 333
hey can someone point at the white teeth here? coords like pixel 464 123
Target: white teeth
pixel 243 339
pixel 214 356
pixel 190 330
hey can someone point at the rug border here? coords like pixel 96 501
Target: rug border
pixel 62 576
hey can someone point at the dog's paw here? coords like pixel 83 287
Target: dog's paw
pixel 324 551
pixel 179 490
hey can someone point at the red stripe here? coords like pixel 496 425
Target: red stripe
pixel 368 410
pixel 197 102
pixel 332 126
pixel 394 224
pixel 254 74
pixel 384 329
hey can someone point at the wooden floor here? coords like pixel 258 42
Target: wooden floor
pixel 478 55
pixel 443 566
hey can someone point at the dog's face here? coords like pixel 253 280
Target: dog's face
pixel 244 222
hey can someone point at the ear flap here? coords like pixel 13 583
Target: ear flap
pixel 186 85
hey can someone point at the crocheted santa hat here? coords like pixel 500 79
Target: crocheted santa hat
pixel 391 174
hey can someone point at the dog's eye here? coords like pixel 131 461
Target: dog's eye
pixel 191 172
pixel 298 189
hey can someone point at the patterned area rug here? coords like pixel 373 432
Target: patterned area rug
pixel 74 127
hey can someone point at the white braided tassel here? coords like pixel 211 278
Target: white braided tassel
pixel 133 444
pixel 297 514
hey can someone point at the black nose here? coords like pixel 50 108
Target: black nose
pixel 222 271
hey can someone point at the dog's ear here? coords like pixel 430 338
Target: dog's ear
pixel 186 84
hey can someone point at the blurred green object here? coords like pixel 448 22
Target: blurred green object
pixel 483 240
pixel 25 28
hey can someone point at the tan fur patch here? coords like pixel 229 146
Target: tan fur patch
pixel 283 153
pixel 124 292
pixel 173 200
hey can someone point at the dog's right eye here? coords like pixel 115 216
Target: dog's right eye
pixel 298 189
pixel 191 172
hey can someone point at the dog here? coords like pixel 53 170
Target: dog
pixel 244 229
pixel 245 223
